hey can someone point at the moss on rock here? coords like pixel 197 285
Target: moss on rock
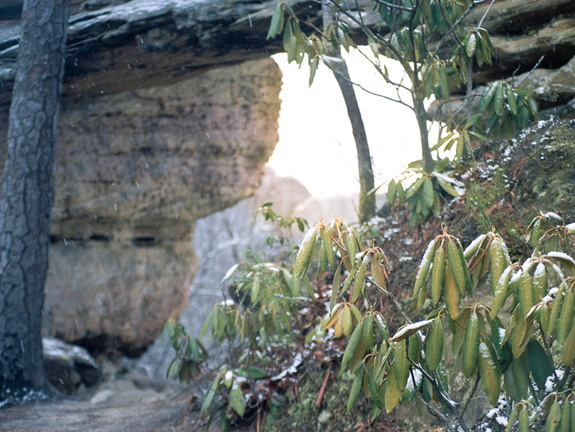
pixel 546 169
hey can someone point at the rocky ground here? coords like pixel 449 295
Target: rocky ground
pixel 130 402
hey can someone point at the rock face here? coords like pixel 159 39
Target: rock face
pixel 134 171
pixel 534 45
pixel 119 45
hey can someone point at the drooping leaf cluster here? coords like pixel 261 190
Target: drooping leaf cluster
pixel 190 353
pixel 264 304
pixel 518 341
pixel 282 222
pixel 420 190
pixel 508 326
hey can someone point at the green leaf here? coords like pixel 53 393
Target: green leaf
pixel 512 418
pixel 470 348
pixel 359 282
pixel 472 120
pixel 392 391
pixel 367 330
pixel 499 99
pixel 511 101
pixel 434 344
pixel 407 330
pixel 351 347
pixel 428 192
pixel 210 395
pixel 553 418
pixel 391 192
pixel 335 287
pixel 207 322
pixel 516 379
pixel 277 22
pixel 289 41
pixel 231 271
pixel 174 368
pixel 446 185
pixel 313 64
pixel 400 192
pixel 237 399
pixel 489 373
pixel 401 364
pixel 305 254
pixel 485 46
pixel 488 96
pixel 415 187
pixel 355 388
pixel 252 372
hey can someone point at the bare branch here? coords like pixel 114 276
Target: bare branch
pixel 475 384
pixel 394 6
pixel 485 14
pixel 532 70
pixel 393 299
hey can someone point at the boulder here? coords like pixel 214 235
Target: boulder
pixel 68 367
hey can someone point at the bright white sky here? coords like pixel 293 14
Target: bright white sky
pixel 316 144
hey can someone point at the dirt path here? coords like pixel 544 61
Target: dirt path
pixel 128 404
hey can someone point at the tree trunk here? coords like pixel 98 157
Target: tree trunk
pixel 341 73
pixel 27 194
pixel 421 116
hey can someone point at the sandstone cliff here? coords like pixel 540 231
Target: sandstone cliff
pixel 134 171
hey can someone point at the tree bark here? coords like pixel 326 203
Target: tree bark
pixel 421 116
pixel 341 74
pixel 28 195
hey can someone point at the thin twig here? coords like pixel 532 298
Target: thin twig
pixel 399 101
pixel 394 6
pixel 532 70
pixel 322 389
pixel 485 14
pixel 460 419
pixel 566 375
pixel 434 411
pixel 393 299
pixel 383 75
pixel 448 403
